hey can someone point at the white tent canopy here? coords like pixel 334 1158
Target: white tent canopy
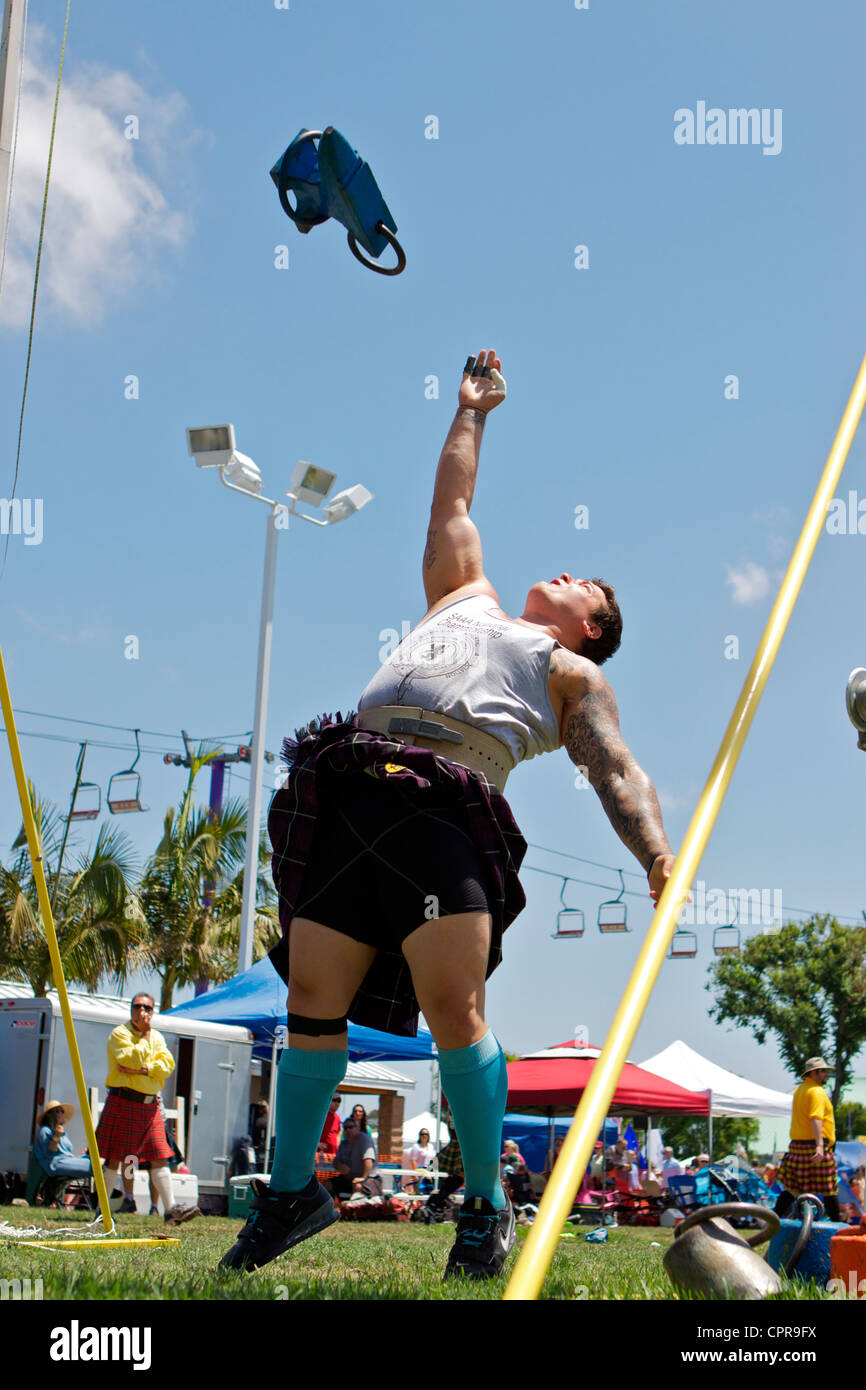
pixel 731 1094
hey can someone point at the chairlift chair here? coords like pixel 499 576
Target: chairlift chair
pixel 88 802
pixel 124 789
pixel 570 921
pixel 613 914
pixel 684 946
pixel 726 940
pixel 87 798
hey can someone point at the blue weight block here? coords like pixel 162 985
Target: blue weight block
pixel 297 171
pixel 351 193
pixel 814 1263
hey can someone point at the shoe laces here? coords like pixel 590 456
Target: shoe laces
pixel 475 1227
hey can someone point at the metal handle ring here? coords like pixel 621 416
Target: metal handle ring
pixel 371 265
pixel 284 192
pixel 770 1222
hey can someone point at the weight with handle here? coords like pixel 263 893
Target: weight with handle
pixel 709 1257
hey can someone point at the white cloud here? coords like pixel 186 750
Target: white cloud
pixel 109 220
pixel 750 583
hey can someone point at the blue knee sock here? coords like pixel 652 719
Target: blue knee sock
pixel 475 1081
pixel 306 1083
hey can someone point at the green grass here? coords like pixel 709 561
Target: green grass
pixel 361 1262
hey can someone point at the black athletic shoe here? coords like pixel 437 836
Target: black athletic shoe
pixel 484 1238
pixel 276 1223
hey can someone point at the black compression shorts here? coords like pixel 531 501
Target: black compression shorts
pixel 384 861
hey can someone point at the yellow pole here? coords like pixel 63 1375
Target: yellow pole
pixel 555 1205
pixel 97 1243
pixel 53 949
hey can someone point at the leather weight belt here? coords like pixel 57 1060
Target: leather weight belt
pixel 460 743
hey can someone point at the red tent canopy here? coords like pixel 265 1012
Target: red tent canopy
pixel 557 1080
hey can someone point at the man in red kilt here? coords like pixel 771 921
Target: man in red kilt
pixel 810 1162
pixel 131 1125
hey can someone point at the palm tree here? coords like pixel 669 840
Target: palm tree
pixel 99 924
pixel 191 893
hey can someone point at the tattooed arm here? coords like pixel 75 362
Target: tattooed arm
pixel 452 557
pixel 592 738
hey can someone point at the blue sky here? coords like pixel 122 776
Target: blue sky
pixel 555 130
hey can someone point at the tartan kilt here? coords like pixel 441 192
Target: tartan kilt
pixel 799 1173
pixel 129 1127
pixel 450 1160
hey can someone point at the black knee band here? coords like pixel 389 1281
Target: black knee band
pixel 316 1027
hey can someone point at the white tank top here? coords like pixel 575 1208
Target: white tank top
pixel 469 662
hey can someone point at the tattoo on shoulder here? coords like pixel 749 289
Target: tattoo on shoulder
pixel 430 551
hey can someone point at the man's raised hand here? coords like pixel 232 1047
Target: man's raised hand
pixel 483 386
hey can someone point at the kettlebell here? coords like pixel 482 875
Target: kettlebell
pixel 709 1257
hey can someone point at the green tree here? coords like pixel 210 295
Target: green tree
pixel 805 986
pixel 689 1135
pixel 97 917
pixel 191 893
pixel 850 1120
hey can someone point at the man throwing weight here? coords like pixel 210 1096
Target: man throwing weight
pixel 396 854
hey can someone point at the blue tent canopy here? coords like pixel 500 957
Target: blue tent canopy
pixel 256 999
pixel 531 1133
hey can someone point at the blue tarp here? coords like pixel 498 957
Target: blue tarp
pixel 531 1135
pixel 850 1155
pixel 256 999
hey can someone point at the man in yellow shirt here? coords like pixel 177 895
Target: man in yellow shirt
pixel 810 1162
pixel 131 1124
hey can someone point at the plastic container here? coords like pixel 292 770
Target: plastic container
pixel 241 1192
pixel 848 1260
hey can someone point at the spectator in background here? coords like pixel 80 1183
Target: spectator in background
pixel 671 1167
pixel 131 1126
pixel 330 1140
pixel 260 1131
pixel 809 1164
pixel 359 1115
pixel 628 1174
pixel 615 1154
pixel 52 1146
pixel 511 1155
pixel 355 1162
pixel 557 1150
pixel 421 1155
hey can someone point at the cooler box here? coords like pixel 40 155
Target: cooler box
pixel 241 1193
pixel 183 1185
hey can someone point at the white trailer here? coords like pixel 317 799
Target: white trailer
pixel 212 1075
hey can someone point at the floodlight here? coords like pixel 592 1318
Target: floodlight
pixel 311 483
pixel 855 701
pixel 241 471
pixel 211 446
pixel 351 500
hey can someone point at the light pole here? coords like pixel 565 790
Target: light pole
pixel 214 447
pixel 10 70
